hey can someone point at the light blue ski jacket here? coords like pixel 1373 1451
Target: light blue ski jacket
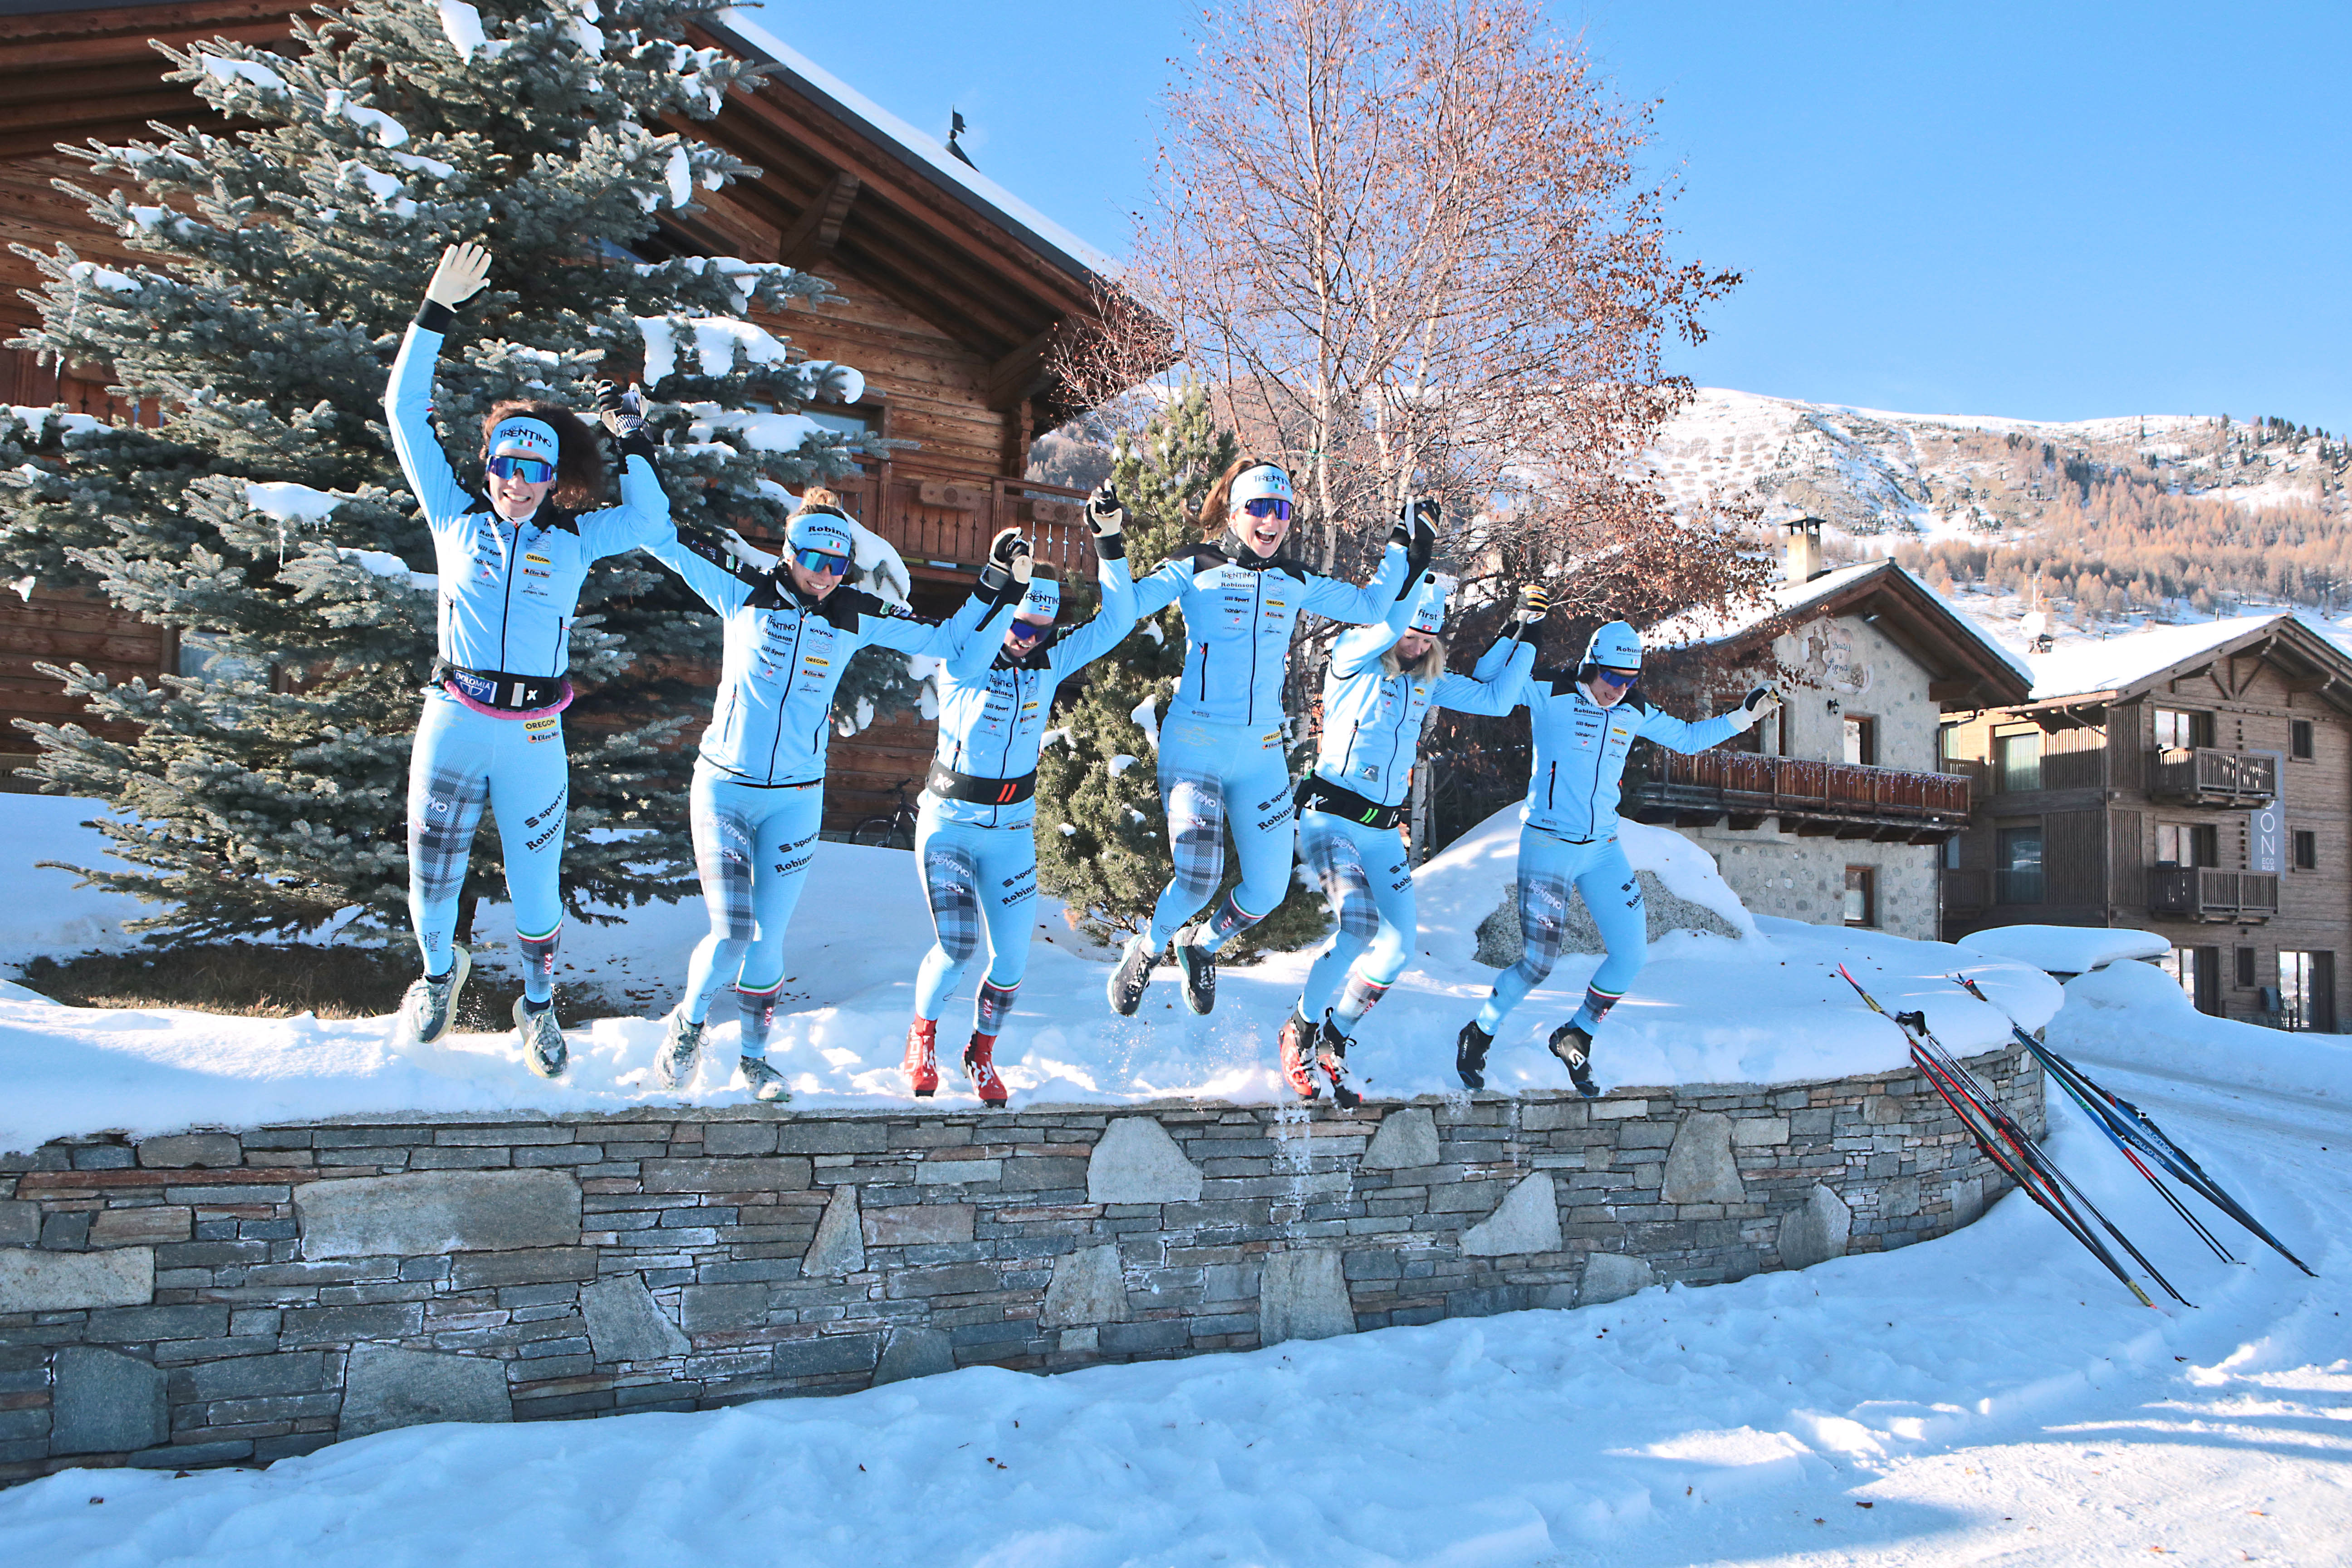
pixel 993 709
pixel 1581 746
pixel 785 657
pixel 509 591
pixel 1239 612
pixel 1372 719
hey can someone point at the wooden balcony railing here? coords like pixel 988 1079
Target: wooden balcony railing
pixel 2204 893
pixel 1965 889
pixel 2208 776
pixel 1814 799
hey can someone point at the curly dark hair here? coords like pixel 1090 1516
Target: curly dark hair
pixel 579 456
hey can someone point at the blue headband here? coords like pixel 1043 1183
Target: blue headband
pixel 822 529
pixel 1044 598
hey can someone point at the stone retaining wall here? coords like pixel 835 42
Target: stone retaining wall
pixel 234 1298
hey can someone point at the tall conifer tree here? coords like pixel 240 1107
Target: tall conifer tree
pixel 263 515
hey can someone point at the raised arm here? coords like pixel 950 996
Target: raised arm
pixel 717 585
pixel 1163 587
pixel 979 625
pixel 1678 735
pixel 1111 623
pixel 643 515
pixel 408 396
pixel 1518 631
pixel 1491 689
pixel 1357 648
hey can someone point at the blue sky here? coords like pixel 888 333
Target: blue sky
pixel 2052 211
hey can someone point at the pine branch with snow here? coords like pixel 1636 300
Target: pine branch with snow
pixel 265 515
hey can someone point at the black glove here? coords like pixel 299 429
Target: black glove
pixel 1529 611
pixel 996 577
pixel 623 412
pixel 1416 530
pixel 1107 519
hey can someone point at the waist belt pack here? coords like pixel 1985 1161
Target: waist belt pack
pixel 1321 795
pixel 949 784
pixel 496 689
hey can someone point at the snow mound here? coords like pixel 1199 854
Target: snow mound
pixel 2066 950
pixel 2135 1015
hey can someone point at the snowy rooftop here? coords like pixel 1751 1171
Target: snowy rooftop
pixel 1695 626
pixel 926 152
pixel 2115 662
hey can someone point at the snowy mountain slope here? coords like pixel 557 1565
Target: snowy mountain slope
pixel 1989 1397
pixel 1871 472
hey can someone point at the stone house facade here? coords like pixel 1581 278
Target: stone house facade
pixel 1834 811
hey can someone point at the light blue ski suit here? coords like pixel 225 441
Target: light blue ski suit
pixel 508 594
pixel 1222 761
pixel 979 857
pixel 1372 720
pixel 1570 836
pixel 759 782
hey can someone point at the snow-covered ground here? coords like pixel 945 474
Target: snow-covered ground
pixel 1761 1008
pixel 1991 1397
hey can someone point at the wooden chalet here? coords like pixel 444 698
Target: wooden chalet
pixel 2192 781
pixel 1832 812
pixel 951 293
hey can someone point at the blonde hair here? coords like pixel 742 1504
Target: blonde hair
pixel 1428 667
pixel 816 496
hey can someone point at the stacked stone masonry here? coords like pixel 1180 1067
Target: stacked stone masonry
pixel 234 1298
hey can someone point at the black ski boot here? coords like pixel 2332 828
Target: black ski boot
pixel 1132 975
pixel 1574 1046
pixel 1332 1055
pixel 1470 1055
pixel 1199 967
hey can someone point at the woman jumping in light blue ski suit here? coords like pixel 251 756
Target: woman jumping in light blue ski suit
pixel 1585 721
pixel 1378 691
pixel 975 839
pixel 1222 761
pixel 759 782
pixel 492 732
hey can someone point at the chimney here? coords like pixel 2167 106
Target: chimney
pixel 1804 558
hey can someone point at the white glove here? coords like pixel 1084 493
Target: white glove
pixel 463 269
pixel 1105 516
pixel 1755 706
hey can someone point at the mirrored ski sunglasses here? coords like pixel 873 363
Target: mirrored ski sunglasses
pixel 821 562
pixel 1609 677
pixel 1027 631
pixel 530 470
pixel 1267 506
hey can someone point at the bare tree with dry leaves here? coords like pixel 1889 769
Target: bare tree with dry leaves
pixel 1408 245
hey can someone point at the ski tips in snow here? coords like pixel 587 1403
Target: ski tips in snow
pixel 2013 1150
pixel 2134 1132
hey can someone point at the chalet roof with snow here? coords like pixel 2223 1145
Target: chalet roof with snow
pixel 1966 667
pixel 2117 668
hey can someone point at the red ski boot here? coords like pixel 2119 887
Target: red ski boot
pixel 1297 1047
pixel 1332 1055
pixel 923 1056
pixel 980 1066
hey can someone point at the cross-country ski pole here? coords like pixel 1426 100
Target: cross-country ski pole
pixel 2125 1120
pixel 2023 1161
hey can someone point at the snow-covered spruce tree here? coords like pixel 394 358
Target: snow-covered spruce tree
pixel 266 516
pixel 1106 854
